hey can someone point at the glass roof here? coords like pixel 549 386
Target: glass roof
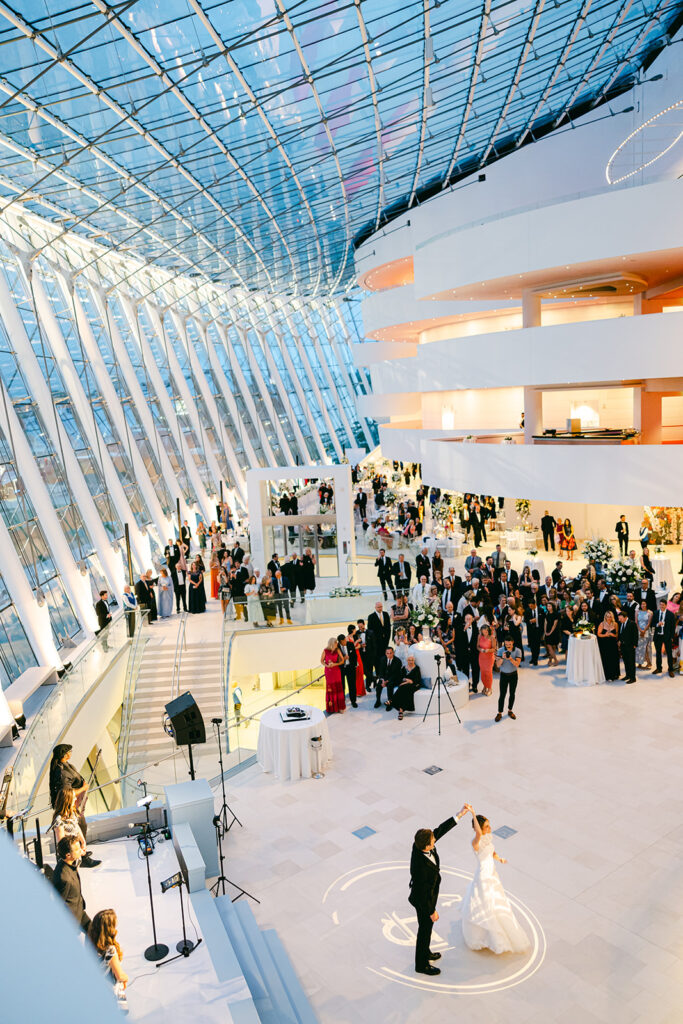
pixel 254 141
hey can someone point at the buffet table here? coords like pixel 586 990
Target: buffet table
pixel 284 748
pixel 584 665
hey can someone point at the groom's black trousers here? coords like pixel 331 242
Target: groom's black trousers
pixel 424 937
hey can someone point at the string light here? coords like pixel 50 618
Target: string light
pixel 658 156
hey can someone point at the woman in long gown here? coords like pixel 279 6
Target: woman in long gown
pixel 404 694
pixel 643 650
pixel 608 645
pixel 360 671
pixel 486 656
pixel 215 571
pixel 196 594
pixel 488 920
pixel 568 542
pixel 165 595
pixel 551 633
pixel 333 659
pixel 308 571
pixel 254 609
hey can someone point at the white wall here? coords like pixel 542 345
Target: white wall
pixel 613 406
pixel 284 650
pixel 494 409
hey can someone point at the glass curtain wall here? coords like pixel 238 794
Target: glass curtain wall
pixel 235 340
pixel 312 403
pixel 245 420
pixel 301 418
pixel 16 654
pixel 305 339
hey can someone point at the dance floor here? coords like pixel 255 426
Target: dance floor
pixel 589 779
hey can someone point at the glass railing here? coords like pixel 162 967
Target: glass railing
pixel 135 656
pixel 49 723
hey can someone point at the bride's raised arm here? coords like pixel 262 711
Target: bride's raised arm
pixel 477 831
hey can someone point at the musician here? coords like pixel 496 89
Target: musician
pixel 66 880
pixel 64 776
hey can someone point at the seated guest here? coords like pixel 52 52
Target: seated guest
pixel 403 698
pixel 390 672
pixel 102 934
pixel 65 823
pixel 67 881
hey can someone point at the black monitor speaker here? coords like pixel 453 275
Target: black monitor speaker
pixel 186 719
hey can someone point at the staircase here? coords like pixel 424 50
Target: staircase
pixel 244 953
pixel 200 673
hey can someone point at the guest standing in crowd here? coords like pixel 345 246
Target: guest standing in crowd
pixel 308 572
pixel 487 653
pixel 643 622
pixel 628 641
pixel 608 645
pixel 254 610
pixel 621 530
pixel 197 593
pixel 66 879
pixel 548 525
pixel 333 659
pixel 165 594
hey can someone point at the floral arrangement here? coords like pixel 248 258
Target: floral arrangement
pixel 533 552
pixel 390 497
pixel 659 550
pixel 583 627
pixel 598 549
pixel 345 592
pixel 623 572
pixel 442 511
pixel 397 478
pixel 523 508
pixel 425 616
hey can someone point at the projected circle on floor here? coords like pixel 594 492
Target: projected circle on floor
pixel 378 893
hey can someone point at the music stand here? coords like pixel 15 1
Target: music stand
pixel 437 689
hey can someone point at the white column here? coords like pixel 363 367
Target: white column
pixel 108 392
pixel 76 586
pixel 81 404
pixel 531 309
pixel 61 443
pixel 533 414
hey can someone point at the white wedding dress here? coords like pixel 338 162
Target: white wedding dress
pixel 488 921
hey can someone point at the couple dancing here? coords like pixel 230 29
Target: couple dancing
pixel 488 921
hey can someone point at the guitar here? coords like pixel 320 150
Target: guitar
pixel 83 795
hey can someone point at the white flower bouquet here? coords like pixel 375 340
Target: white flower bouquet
pixel 390 497
pixel 425 616
pixel 345 592
pixel 623 572
pixel 598 549
pixel 523 508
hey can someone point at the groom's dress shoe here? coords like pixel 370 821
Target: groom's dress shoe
pixel 433 956
pixel 427 970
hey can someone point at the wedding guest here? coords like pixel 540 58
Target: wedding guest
pixel 333 659
pixel 66 879
pixel 664 628
pixel 390 672
pixel 404 694
pixel 551 632
pixel 621 530
pixel 266 594
pixel 102 933
pixel 643 622
pixel 197 593
pixel 487 654
pixel 646 564
pixel 644 534
pixel 608 646
pixel 308 572
pixel 348 649
pixel 400 613
pixel 466 653
pixel 508 658
pixel 628 641
pixel 165 594
pixel 254 609
pixel 224 591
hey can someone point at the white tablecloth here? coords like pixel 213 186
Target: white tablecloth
pixel 284 748
pixel 424 658
pixel 584 666
pixel 516 539
pixel 335 609
pixel 536 563
pixel 663 573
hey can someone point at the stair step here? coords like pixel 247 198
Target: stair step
pixel 242 1009
pixel 297 996
pixel 246 959
pixel 269 971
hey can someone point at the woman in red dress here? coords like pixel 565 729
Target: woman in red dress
pixel 332 658
pixel 215 572
pixel 360 682
pixel 486 656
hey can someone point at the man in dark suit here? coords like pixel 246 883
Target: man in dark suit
pixel 466 653
pixel 628 641
pixel 186 534
pixel 512 575
pixel 535 621
pixel 281 597
pixel 237 553
pixel 102 610
pixel 144 591
pixel 631 606
pixel 292 573
pixel 377 635
pixel 425 881
pixel 501 587
pixel 402 574
pixel 664 627
pixel 423 564
pixel 66 879
pixel 348 647
pixel 645 593
pixel 283 504
pixel 384 568
pixel 239 576
pixel 621 530
pixel 548 524
pixel 274 565
pixel 557 573
pixel 390 674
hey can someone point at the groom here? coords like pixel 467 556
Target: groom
pixel 425 880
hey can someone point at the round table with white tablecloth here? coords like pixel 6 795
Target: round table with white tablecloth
pixel 584 665
pixel 663 573
pixel 516 539
pixel 424 654
pixel 284 748
pixel 536 563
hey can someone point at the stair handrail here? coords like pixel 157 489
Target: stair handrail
pixel 132 669
pixel 180 646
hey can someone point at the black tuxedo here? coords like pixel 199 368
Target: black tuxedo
pixel 425 882
pixel 186 536
pixel 628 641
pixel 548 525
pixel 103 614
pixel 237 554
pixel 292 574
pixel 664 629
pixel 513 578
pixel 423 566
pixel 466 653
pixel 648 596
pixel 67 882
pixel 501 588
pixel 534 631
pixel 402 585
pixel 377 637
pixel 556 576
pixel 384 567
pixel 274 567
pixel 147 599
pixel 391 673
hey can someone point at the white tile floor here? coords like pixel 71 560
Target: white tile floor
pixel 591 780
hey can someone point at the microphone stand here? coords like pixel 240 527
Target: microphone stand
pixel 157 951
pixel 223 814
pixel 185 946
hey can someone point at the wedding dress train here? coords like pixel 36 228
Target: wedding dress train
pixel 488 921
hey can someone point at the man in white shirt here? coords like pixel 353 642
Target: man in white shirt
pixel 420 592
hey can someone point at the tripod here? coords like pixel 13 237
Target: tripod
pixel 437 689
pixel 225 809
pixel 222 880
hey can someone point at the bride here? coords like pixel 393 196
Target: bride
pixel 488 921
